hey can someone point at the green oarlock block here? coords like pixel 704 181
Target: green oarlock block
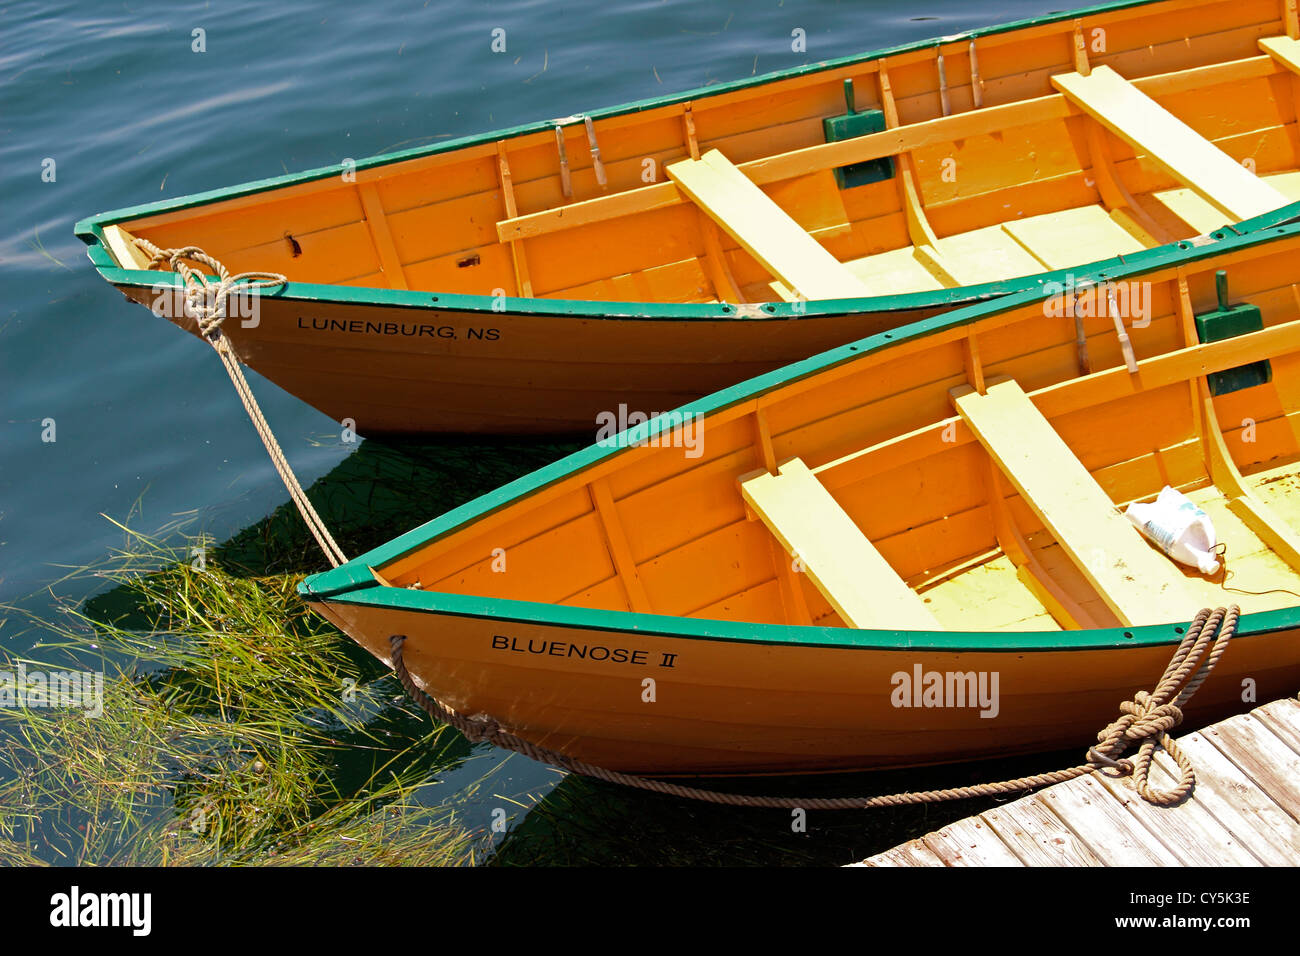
pixel 850 126
pixel 1226 322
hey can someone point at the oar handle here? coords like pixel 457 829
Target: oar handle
pixel 1221 286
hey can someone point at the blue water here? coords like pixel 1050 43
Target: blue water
pixel 146 428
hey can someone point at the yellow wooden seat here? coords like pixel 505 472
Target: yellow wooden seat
pixel 1138 583
pixel 1155 132
pixel 843 564
pixel 746 214
pixel 1285 50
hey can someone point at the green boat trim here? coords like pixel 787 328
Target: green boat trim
pixel 353 582
pixel 508 611
pixel 623 311
pixel 91 231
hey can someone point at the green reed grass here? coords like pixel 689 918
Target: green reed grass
pixel 237 728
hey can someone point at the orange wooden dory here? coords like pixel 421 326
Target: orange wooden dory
pixel 529 279
pixel 792 559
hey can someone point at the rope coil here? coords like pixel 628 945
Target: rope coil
pixel 205 301
pixel 1145 720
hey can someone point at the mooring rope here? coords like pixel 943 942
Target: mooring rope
pixel 205 301
pixel 1145 720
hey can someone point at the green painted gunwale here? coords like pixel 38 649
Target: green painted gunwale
pixel 352 583
pixel 91 230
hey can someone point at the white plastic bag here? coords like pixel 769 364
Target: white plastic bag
pixel 1178 528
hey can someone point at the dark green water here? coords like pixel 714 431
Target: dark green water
pixel 146 427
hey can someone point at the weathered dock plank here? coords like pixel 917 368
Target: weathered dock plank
pixel 1245 810
pixel 1230 797
pixel 911 853
pixel 1283 718
pixel 1102 823
pixel 1192 834
pixel 1272 765
pixel 970 843
pixel 1038 836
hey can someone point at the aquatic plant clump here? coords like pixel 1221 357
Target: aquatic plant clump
pixel 233 727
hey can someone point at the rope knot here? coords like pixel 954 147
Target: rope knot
pixel 1141 719
pixel 205 300
pixel 1145 717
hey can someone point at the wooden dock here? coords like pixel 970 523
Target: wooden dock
pixel 1245 810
